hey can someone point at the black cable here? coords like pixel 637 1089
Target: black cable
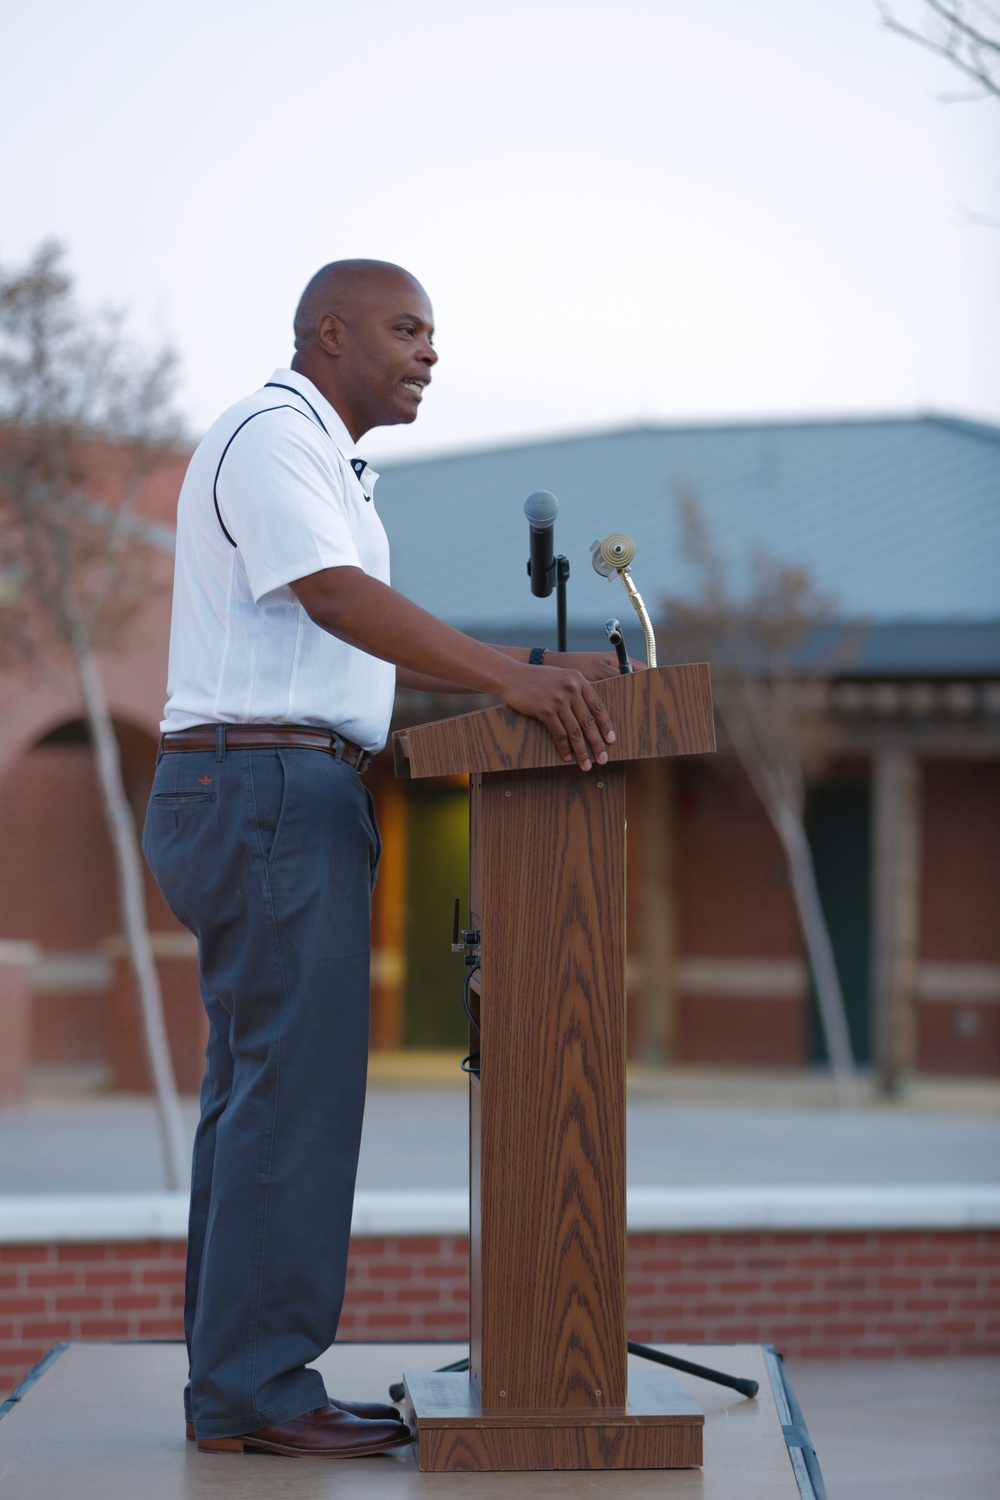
pixel 470 1064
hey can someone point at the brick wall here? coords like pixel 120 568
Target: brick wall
pixel 959 906
pixel 733 892
pixel 57 878
pixel 960 889
pixel 817 1295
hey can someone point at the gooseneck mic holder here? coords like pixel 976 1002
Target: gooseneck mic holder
pixel 545 569
pixel 614 555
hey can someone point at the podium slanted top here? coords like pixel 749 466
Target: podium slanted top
pixel 663 712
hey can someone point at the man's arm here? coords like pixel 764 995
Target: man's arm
pixel 368 614
pixel 595 665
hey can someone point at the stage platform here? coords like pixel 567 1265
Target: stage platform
pixel 104 1422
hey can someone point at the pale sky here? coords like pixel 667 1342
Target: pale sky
pixel 623 210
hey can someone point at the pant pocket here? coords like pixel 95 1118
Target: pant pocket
pixel 268 777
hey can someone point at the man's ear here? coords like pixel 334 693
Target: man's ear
pixel 330 334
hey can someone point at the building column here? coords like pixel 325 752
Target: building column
pixel 653 912
pixel 389 918
pixel 895 913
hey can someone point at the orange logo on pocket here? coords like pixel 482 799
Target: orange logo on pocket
pixel 204 780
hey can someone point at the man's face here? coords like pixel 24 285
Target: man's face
pixel 388 352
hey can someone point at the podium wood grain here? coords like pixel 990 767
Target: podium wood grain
pixel 661 1428
pixel 547 1384
pixel 667 711
pixel 549 1194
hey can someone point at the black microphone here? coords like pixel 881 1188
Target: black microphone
pixel 541 509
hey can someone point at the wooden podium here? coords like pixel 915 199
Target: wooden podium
pixel 547 1386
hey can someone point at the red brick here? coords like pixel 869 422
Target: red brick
pixel 78 1302
pixel 433 1245
pixel 42 1279
pixel 81 1252
pixel 363 1249
pixel 104 1328
pixel 165 1275
pixel 119 1277
pixel 21 1306
pixel 134 1302
pixel 23 1255
pixel 157 1328
pixel 51 1329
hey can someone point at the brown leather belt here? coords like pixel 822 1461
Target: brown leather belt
pixel 266 737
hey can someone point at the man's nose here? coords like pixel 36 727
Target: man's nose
pixel 430 355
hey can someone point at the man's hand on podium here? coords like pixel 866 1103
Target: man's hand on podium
pixel 564 701
pixel 432 656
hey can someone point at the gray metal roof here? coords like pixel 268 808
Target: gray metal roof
pixel 898 519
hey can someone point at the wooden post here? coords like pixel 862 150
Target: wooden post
pixel 895 916
pixel 389 920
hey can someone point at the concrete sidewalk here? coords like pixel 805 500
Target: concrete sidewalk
pixel 685 1127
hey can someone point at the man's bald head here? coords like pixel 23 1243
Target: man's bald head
pixel 364 335
pixel 342 288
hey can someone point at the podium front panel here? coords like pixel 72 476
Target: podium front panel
pixel 548 1240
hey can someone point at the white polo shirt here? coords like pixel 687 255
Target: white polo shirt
pixel 275 490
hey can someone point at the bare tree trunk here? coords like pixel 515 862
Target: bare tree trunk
pixel 132 902
pixel 829 996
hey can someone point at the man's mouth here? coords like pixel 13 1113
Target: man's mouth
pixel 417 386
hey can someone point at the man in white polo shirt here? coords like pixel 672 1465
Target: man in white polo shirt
pixel 286 643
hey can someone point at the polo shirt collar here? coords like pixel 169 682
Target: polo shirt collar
pixel 332 421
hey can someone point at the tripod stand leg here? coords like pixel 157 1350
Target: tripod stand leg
pixel 717 1377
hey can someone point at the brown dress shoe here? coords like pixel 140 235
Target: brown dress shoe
pixel 372 1411
pixel 327 1432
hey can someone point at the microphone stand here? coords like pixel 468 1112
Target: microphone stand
pixel 562 574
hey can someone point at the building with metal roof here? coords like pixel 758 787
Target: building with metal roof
pixel 896 519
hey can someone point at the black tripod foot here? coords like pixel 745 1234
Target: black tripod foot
pixel 717 1377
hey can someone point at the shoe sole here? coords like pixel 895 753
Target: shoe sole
pixel 260 1445
pixel 191 1436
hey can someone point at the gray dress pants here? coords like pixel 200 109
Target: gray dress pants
pixel 269 857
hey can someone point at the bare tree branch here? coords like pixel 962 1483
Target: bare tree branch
pixel 965 45
pixel 753 640
pixel 84 417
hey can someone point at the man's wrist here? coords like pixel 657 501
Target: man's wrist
pixel 537 655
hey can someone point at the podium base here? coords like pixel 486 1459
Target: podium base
pixel 661 1428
